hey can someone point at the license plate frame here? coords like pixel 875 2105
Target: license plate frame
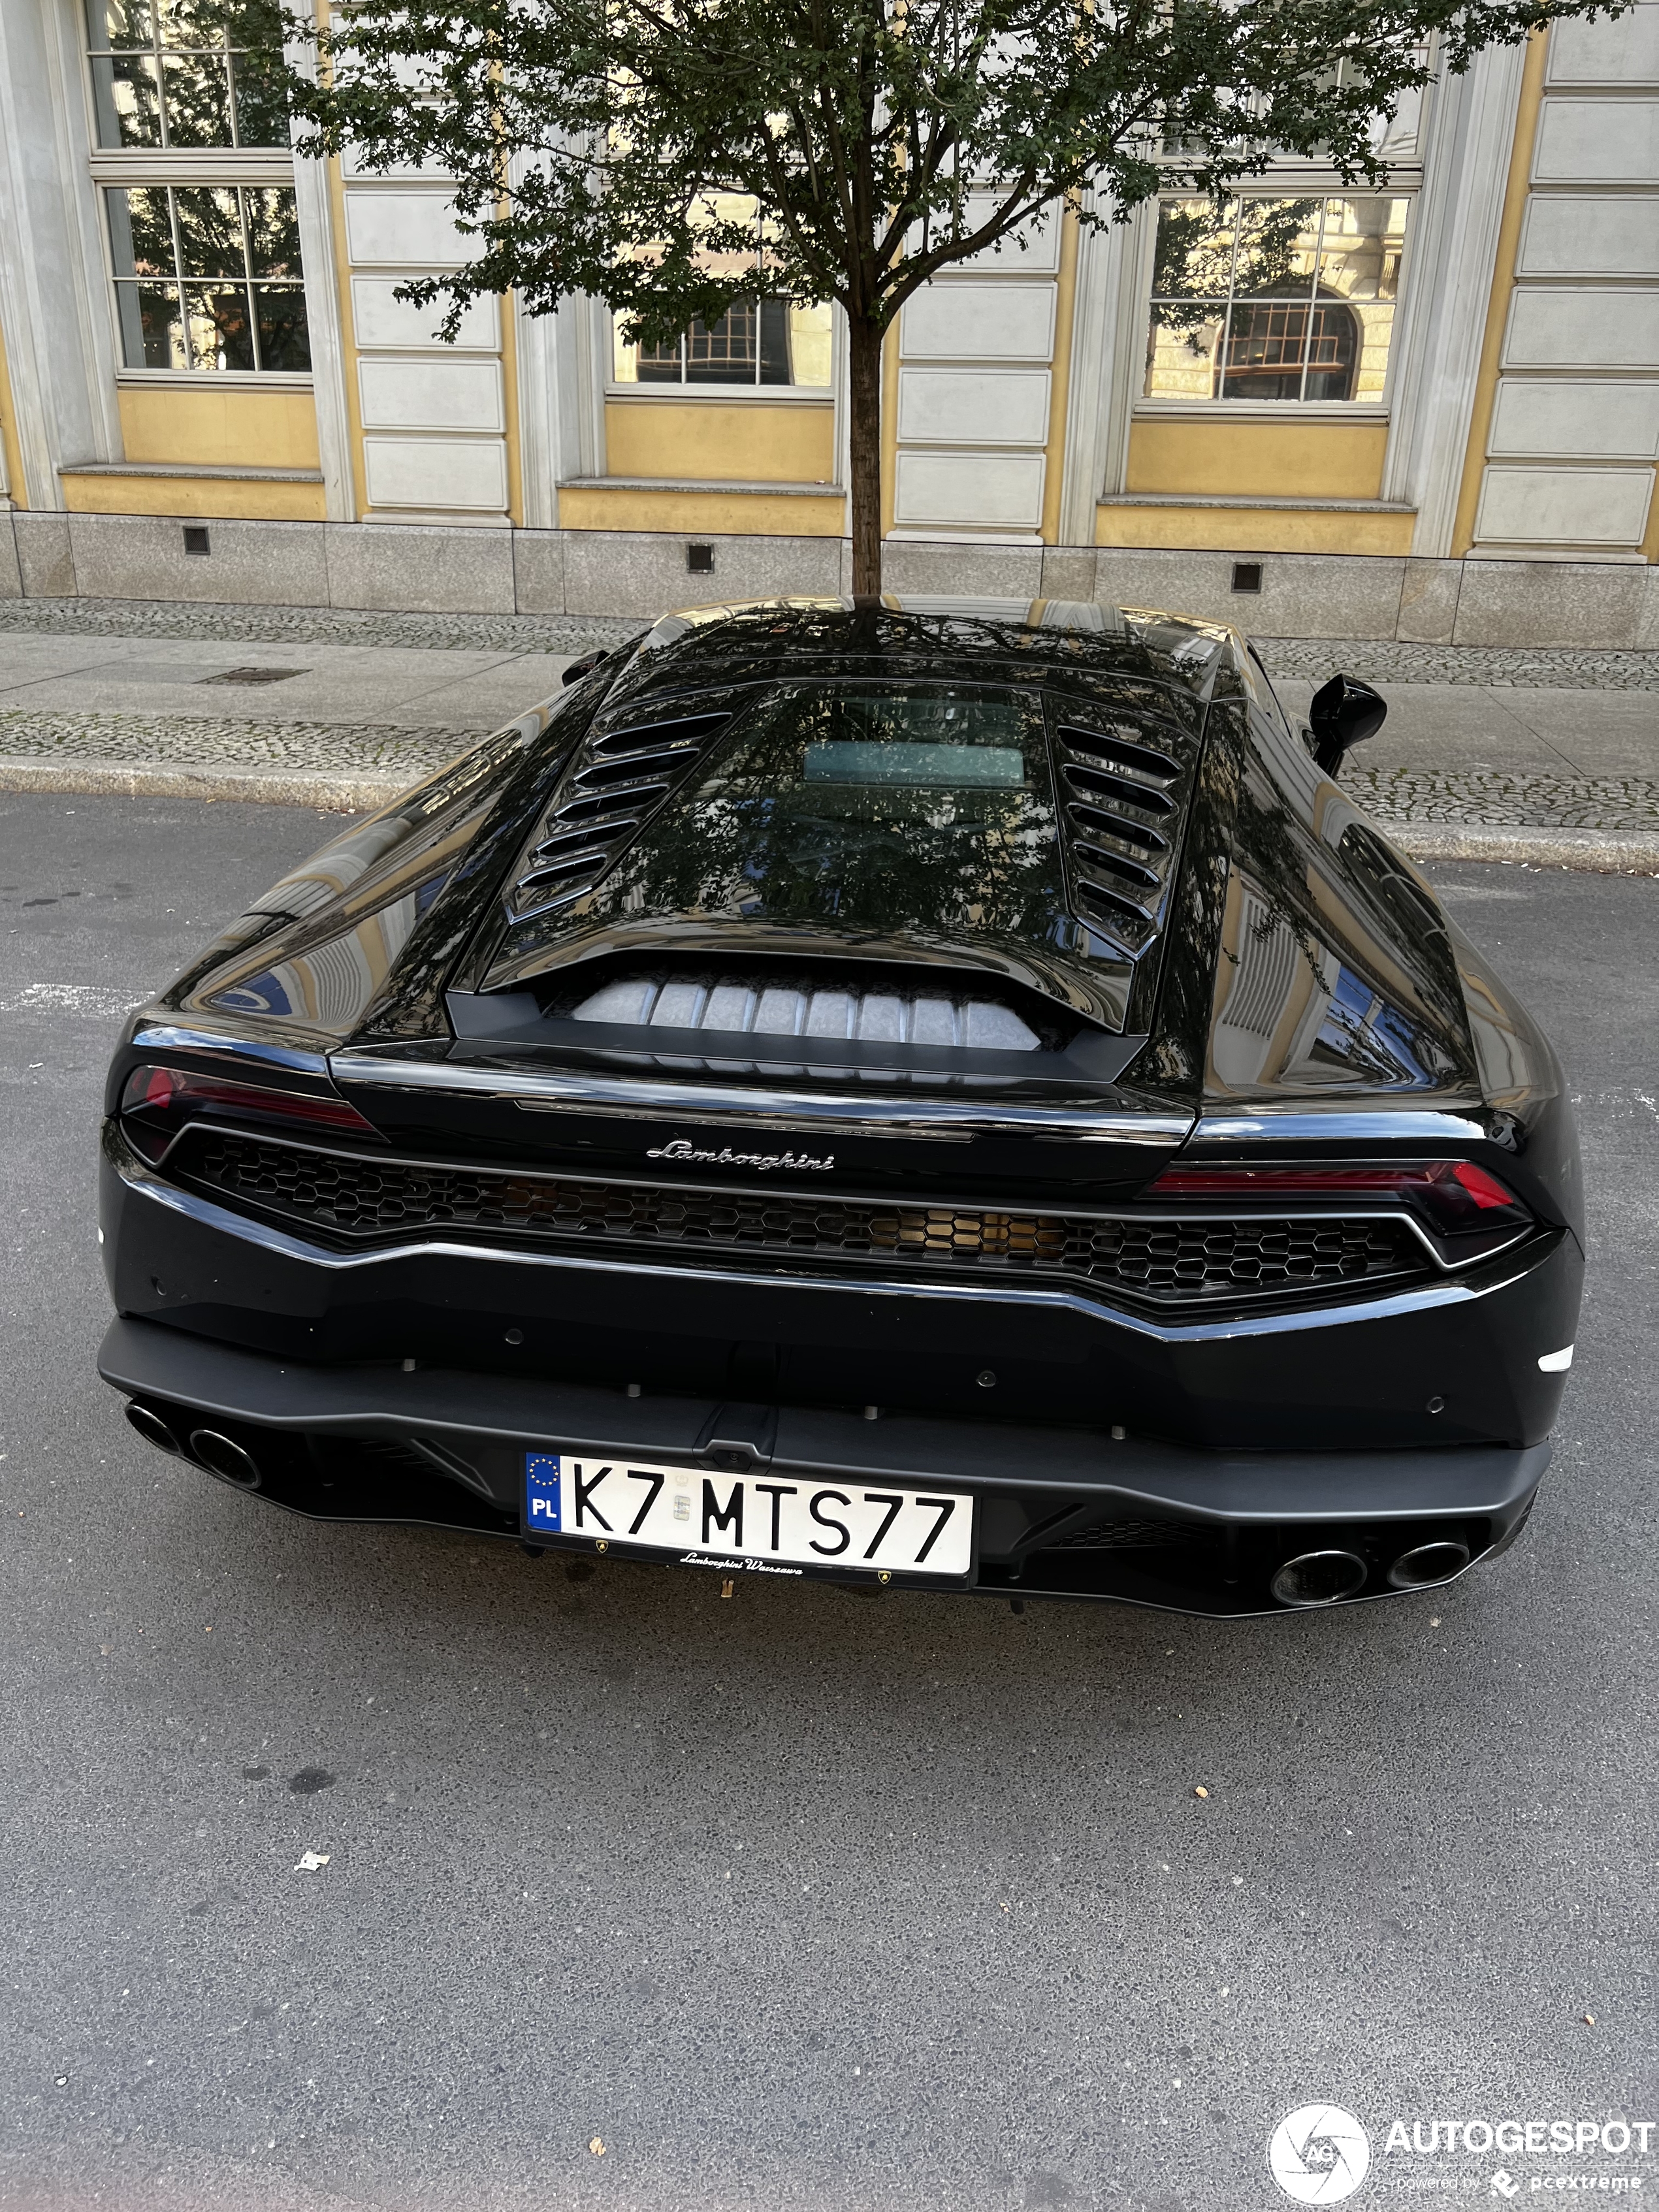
pixel 755 1520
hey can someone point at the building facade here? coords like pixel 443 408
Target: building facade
pixel 1431 413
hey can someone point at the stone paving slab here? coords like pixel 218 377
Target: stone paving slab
pixel 438 688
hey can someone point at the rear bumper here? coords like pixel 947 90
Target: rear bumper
pixel 1060 1511
pixel 1449 1363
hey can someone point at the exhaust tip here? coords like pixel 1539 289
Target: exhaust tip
pixel 1320 1578
pixel 1425 1564
pixel 152 1428
pixel 223 1456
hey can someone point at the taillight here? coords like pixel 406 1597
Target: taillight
pixel 157 1102
pixel 1463 1204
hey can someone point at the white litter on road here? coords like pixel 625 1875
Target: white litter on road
pixel 104 1002
pixel 311 1861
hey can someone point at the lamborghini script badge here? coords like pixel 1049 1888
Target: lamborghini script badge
pixel 726 1157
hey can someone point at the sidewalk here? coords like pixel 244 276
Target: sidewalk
pixel 1545 761
pixel 1550 757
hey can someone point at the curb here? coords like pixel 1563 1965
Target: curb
pixel 1599 852
pixel 1596 851
pixel 322 788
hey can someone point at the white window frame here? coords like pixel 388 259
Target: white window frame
pixel 762 395
pixel 151 167
pixel 752 391
pixel 1285 180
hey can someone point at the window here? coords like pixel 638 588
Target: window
pixel 927 808
pixel 175 73
pixel 763 340
pixel 1274 300
pixel 207 276
pixel 205 268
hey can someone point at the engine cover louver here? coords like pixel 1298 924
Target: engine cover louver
pixel 616 777
pixel 744 1006
pixel 1121 800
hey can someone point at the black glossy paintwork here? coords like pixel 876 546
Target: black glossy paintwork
pixel 444 1445
pixel 1299 995
pixel 1327 1378
pixel 1087 952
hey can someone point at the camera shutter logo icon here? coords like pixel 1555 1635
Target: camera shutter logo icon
pixel 1318 2155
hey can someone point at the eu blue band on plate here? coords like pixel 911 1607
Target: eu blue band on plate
pixel 975 768
pixel 542 1502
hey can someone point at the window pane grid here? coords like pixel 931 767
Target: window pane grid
pixel 160 79
pixel 765 339
pixel 1274 300
pixel 191 291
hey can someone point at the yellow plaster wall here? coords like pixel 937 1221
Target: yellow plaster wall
pixel 9 445
pixel 755 443
pixel 509 314
pixel 1253 530
pixel 699 514
pixel 1060 386
pixel 360 504
pixel 1222 460
pixel 224 429
pixel 224 498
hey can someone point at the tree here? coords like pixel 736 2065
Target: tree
pixel 595 143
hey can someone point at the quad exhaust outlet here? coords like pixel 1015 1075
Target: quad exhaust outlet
pixel 1314 1578
pixel 151 1427
pixel 1425 1564
pixel 223 1456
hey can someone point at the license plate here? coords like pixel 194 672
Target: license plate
pixel 760 1521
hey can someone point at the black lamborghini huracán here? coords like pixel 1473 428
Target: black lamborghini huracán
pixel 938 1093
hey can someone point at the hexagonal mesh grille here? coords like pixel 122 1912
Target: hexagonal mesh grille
pixel 1132 1536
pixel 363 1199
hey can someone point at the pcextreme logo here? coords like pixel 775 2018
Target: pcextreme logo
pixel 1320 2153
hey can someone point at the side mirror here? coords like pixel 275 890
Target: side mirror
pixel 1344 712
pixel 586 666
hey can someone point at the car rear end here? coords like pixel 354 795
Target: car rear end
pixel 603 1212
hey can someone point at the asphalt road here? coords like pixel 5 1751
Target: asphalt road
pixel 799 1900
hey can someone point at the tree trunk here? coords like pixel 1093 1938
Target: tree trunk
pixel 864 427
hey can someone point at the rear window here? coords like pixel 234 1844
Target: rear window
pixel 917 807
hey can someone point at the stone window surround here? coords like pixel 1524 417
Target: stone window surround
pixel 763 395
pixel 137 166
pixel 1464 146
pixel 227 165
pixel 1304 181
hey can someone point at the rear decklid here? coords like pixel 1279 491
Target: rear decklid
pixel 897 921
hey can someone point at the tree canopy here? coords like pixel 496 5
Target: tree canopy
pixel 635 150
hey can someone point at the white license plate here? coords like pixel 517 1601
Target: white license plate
pixel 758 1521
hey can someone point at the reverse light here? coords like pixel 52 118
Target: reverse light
pixel 157 1102
pixel 1461 1203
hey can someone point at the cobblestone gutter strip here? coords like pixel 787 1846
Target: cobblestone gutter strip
pixel 569 633
pixel 1521 798
pixel 201 741
pixel 1542 668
